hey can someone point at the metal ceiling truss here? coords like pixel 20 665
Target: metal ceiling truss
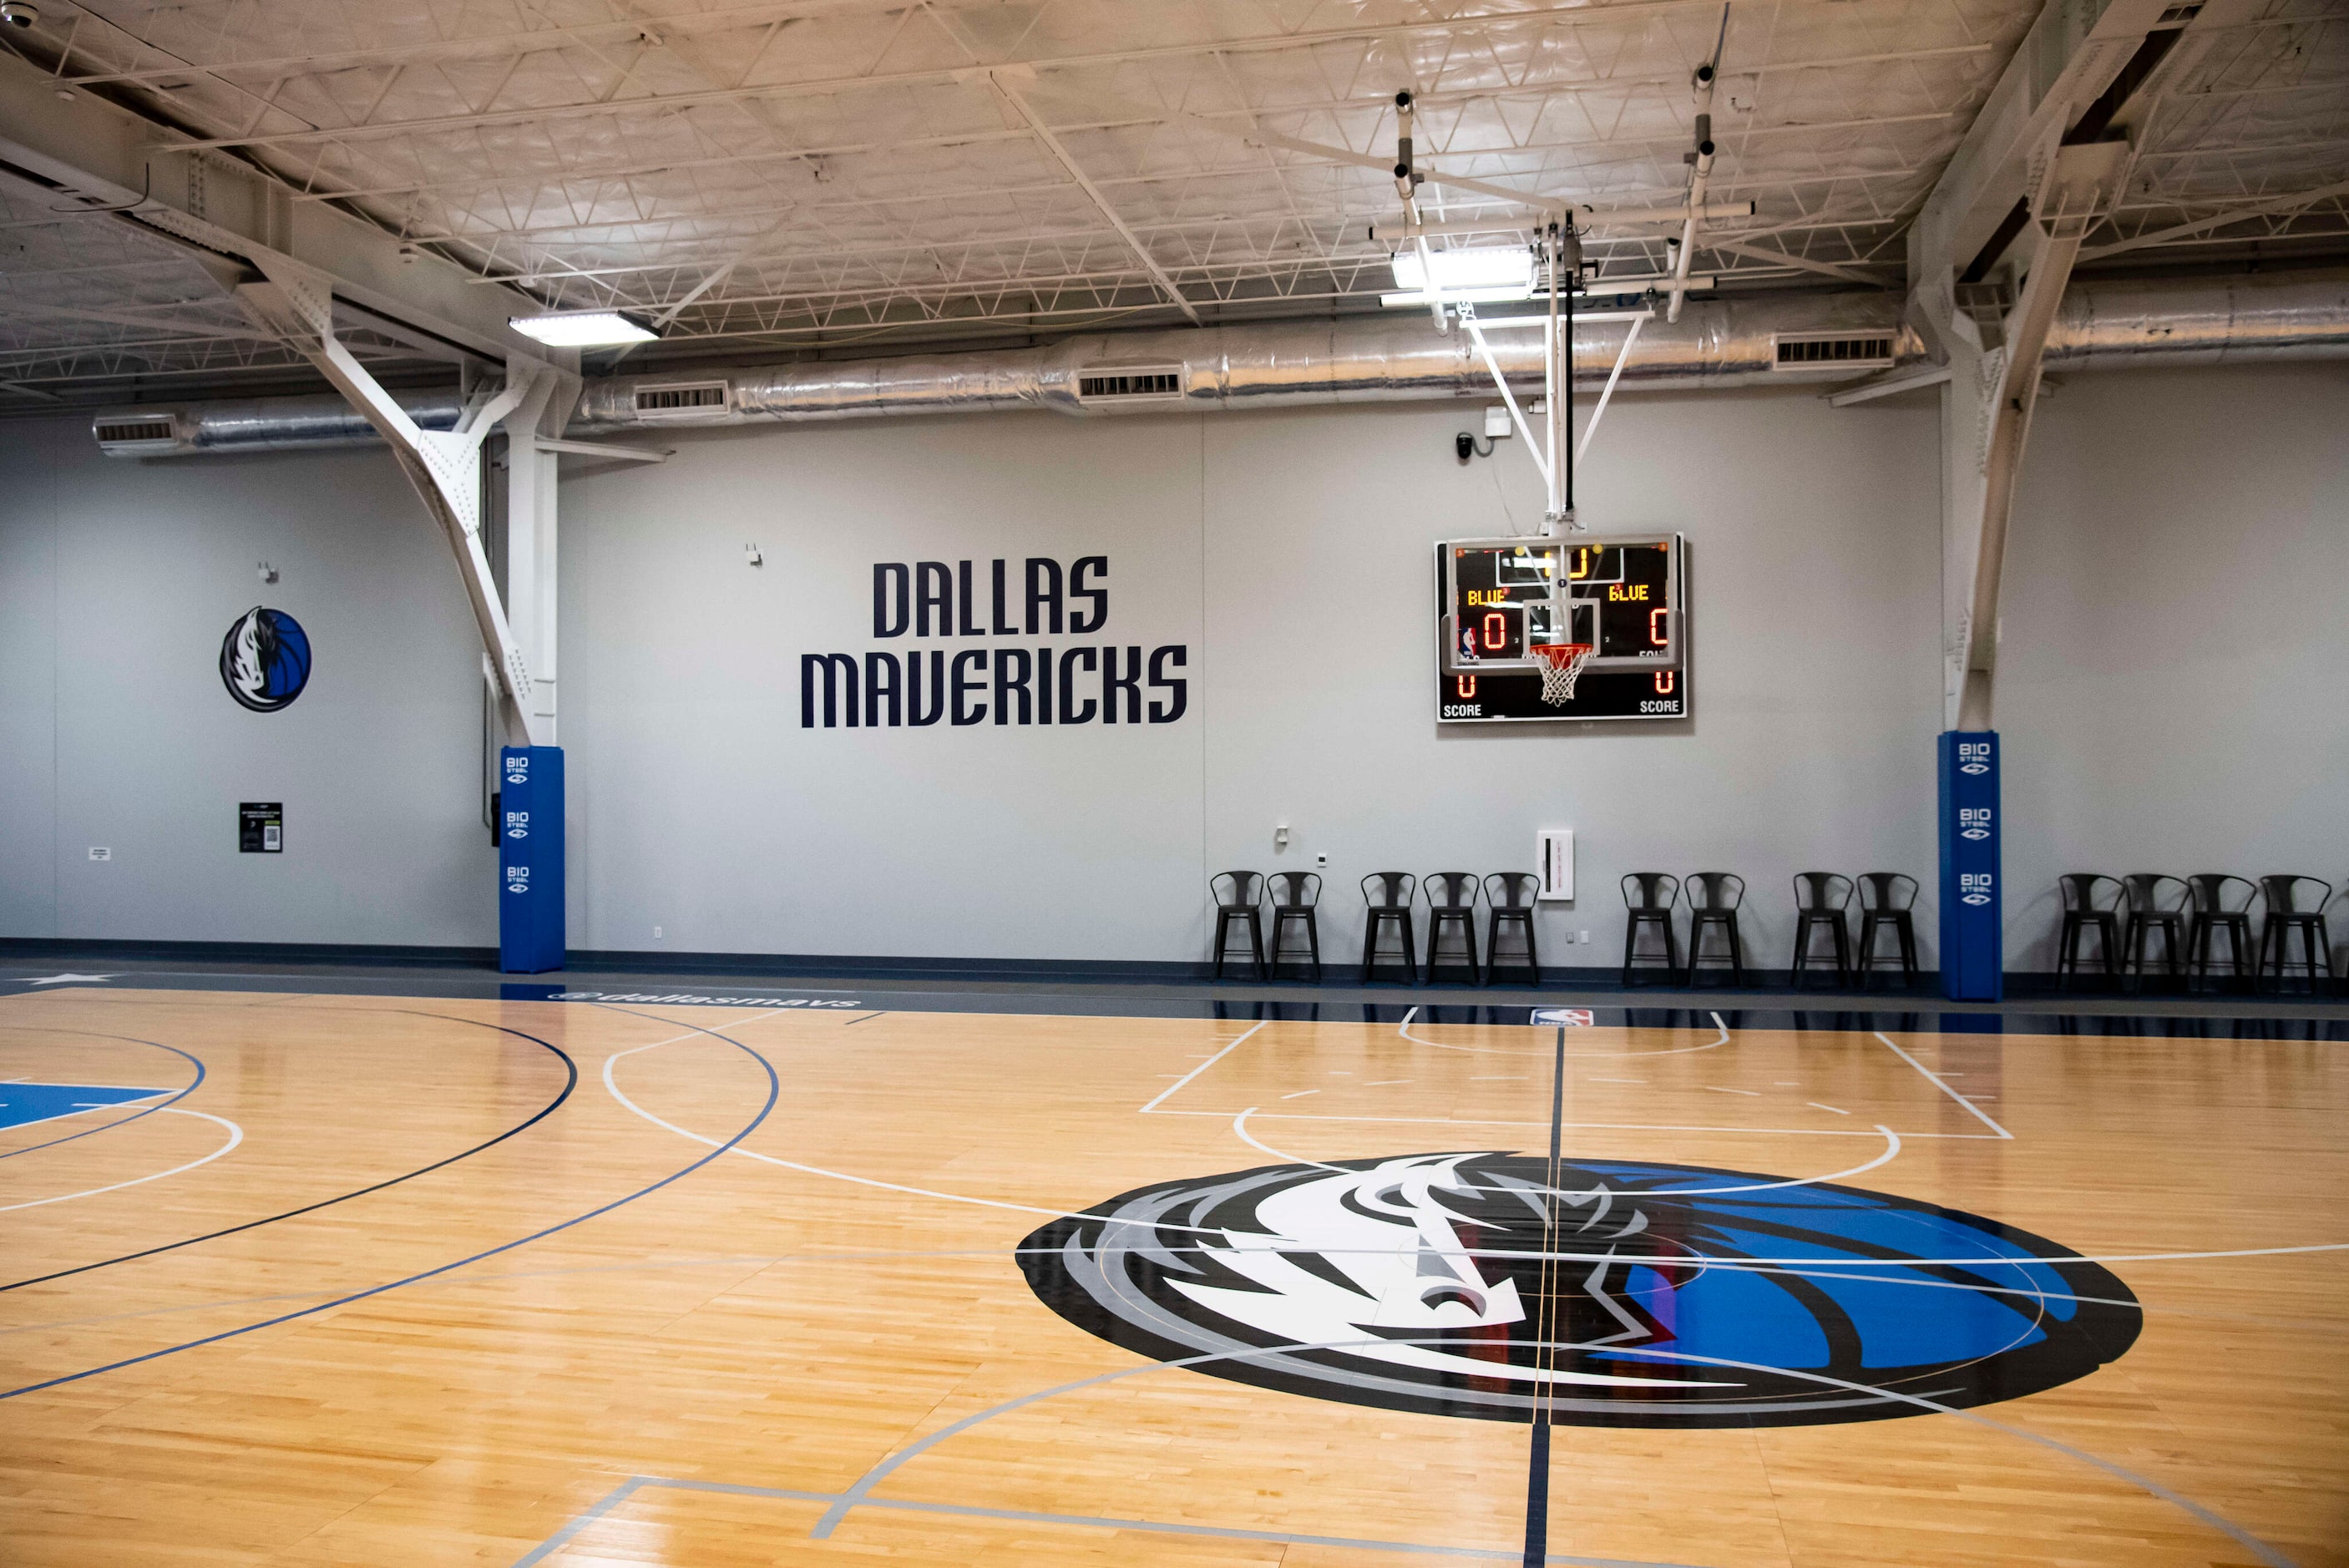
pixel 937 169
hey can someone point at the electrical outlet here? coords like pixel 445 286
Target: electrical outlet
pixel 657 934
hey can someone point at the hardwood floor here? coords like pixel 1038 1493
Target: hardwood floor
pixel 484 1268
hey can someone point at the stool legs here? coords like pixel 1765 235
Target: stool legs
pixel 1224 922
pixel 1810 920
pixel 1401 919
pixel 1522 918
pixel 1281 919
pixel 1437 919
pixel 1662 920
pixel 1904 933
pixel 1726 921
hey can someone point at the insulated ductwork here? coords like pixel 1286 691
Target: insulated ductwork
pixel 1776 339
pixel 259 425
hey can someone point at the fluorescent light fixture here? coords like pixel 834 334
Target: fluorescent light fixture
pixel 581 329
pixel 1492 275
pixel 1463 296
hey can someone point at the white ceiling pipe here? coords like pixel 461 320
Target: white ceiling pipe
pixel 1384 358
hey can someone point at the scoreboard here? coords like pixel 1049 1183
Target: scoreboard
pixel 1624 596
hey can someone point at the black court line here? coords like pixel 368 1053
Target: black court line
pixel 1546 1331
pixel 775 1091
pixel 107 1125
pixel 570 1083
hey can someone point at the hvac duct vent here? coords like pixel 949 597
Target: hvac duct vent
pixel 131 438
pixel 1811 351
pixel 1102 385
pixel 679 397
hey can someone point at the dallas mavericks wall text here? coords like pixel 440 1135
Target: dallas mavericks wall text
pixel 1088 683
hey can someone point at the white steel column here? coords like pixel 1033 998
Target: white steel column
pixel 445 468
pixel 2000 395
pixel 531 527
pixel 1989 258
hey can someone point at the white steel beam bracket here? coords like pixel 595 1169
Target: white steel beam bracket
pixel 297 303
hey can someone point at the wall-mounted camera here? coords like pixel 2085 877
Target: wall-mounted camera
pixel 18 14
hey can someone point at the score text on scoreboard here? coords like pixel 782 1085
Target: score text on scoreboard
pixel 1624 597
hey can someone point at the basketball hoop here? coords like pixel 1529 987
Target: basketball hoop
pixel 1561 663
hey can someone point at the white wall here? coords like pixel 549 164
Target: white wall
pixel 117 583
pixel 2169 687
pixel 2173 689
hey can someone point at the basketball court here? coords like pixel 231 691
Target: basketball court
pixel 1173 782
pixel 582 1283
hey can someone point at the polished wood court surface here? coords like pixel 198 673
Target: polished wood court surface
pixel 409 1281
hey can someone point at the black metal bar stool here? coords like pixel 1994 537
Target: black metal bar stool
pixel 1388 896
pixel 1886 900
pixel 1237 894
pixel 2287 915
pixel 1451 905
pixel 1509 900
pixel 1820 900
pixel 1294 896
pixel 2219 907
pixel 2148 906
pixel 1713 900
pixel 2087 907
pixel 1647 900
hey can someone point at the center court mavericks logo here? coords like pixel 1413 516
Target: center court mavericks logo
pixel 264 660
pixel 1675 1296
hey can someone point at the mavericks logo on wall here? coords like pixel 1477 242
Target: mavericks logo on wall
pixel 933 676
pixel 264 660
pixel 1615 1292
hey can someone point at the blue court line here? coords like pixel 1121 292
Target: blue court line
pixel 572 1082
pixel 635 1483
pixel 775 1089
pixel 110 1126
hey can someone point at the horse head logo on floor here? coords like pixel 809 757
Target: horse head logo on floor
pixel 1603 1293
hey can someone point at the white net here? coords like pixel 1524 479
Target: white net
pixel 1561 663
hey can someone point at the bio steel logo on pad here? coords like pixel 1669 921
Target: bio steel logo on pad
pixel 264 660
pixel 1673 1296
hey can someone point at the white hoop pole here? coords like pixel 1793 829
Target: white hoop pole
pixel 1614 376
pixel 1477 331
pixel 1561 415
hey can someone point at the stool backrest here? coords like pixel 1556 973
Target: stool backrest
pixel 1389 889
pixel 1714 890
pixel 1296 890
pixel 1450 890
pixel 2213 894
pixel 2282 895
pixel 1237 890
pixel 1821 889
pixel 1648 893
pixel 2081 890
pixel 2146 894
pixel 1511 890
pixel 1887 889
